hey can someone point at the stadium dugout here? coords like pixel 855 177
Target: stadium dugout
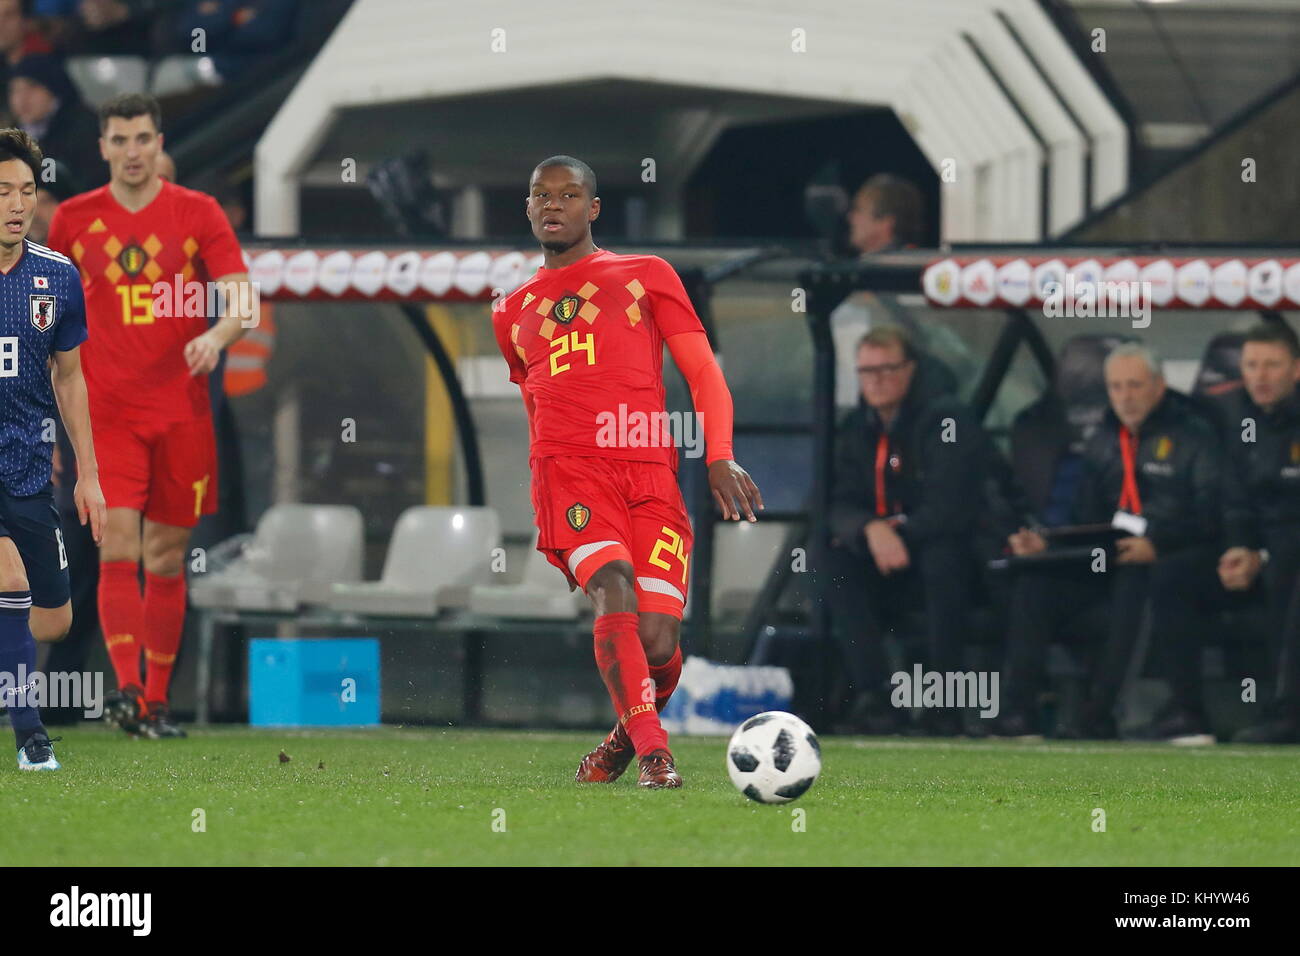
pixel 1194 291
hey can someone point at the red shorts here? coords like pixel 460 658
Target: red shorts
pixel 591 511
pixel 166 471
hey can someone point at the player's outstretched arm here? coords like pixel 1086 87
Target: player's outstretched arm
pixel 203 351
pixel 733 489
pixel 74 409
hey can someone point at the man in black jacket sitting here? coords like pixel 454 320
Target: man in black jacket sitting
pixel 1262 516
pixel 909 467
pixel 1151 471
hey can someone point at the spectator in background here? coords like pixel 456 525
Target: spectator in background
pixel 887 214
pixel 109 27
pixel 18 38
pixel 99 26
pixel 237 31
pixel 1152 470
pixel 100 15
pixel 1262 514
pixel 20 35
pixel 48 196
pixel 909 467
pixel 47 106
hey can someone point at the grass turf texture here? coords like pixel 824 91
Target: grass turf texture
pixel 426 796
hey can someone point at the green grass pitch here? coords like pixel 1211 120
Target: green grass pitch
pixel 428 796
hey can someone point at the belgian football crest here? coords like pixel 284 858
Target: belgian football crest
pixel 1164 447
pixel 42 307
pixel 565 309
pixel 132 260
pixel 578 515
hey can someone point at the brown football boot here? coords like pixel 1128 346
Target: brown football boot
pixel 658 772
pixel 607 762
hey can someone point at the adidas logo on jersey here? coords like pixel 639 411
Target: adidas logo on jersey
pixel 98 226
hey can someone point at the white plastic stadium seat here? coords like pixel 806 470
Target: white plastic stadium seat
pixel 435 557
pixel 181 73
pixel 743 555
pixel 100 78
pixel 297 551
pixel 541 594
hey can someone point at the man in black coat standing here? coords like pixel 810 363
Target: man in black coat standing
pixel 909 465
pixel 1152 470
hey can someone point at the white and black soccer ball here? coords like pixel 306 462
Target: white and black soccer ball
pixel 774 757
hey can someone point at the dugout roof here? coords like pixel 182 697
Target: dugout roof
pixel 990 84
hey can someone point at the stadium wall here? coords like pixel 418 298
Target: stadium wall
pixel 1211 198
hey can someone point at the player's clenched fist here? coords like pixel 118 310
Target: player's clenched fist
pixel 734 490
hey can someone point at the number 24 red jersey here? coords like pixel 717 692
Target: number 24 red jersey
pixel 586 341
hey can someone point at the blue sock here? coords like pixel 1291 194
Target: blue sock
pixel 18 659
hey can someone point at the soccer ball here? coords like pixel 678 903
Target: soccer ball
pixel 774 757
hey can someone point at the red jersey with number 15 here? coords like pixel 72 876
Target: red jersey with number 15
pixel 586 341
pixel 134 360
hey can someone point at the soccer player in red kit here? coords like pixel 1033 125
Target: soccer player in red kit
pixel 584 340
pixel 145 246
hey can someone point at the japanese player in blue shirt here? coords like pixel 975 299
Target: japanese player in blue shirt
pixel 42 325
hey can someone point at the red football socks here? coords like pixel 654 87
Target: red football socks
pixel 164 615
pixel 621 660
pixel 121 617
pixel 665 677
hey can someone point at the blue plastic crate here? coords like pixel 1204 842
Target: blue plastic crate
pixel 304 682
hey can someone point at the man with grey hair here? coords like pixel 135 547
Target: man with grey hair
pixel 1152 472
